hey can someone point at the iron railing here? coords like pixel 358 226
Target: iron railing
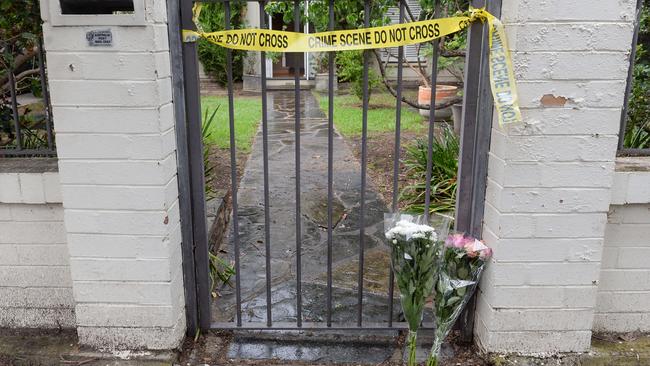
pixel 475 144
pixel 26 120
pixel 624 128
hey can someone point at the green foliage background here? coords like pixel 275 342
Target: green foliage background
pixel 638 124
pixel 213 57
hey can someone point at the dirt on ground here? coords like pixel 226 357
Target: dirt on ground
pixel 220 174
pixel 381 152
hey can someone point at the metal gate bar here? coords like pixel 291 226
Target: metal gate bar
pixel 330 164
pixel 364 153
pixel 233 167
pixel 296 73
pixel 265 147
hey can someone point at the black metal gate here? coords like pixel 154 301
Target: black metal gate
pixel 475 138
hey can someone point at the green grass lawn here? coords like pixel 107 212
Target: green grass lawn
pixel 381 114
pixel 248 114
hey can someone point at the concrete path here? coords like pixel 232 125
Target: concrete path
pixel 347 186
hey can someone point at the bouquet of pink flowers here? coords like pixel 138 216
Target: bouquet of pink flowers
pixel 460 266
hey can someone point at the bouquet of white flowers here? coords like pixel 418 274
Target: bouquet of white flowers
pixel 414 252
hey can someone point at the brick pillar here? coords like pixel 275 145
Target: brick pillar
pixel 114 123
pixel 549 180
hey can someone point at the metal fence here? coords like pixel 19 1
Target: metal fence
pixel 477 120
pixel 633 139
pixel 26 116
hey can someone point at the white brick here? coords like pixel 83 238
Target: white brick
pixel 619 188
pixel 5 212
pixel 31 188
pixel 155 293
pixel 103 315
pixel 638 189
pixel 32 232
pixel 626 235
pixel 535 320
pixel 554 148
pixel 511 225
pixel 52 188
pixel 103 66
pixel 544 250
pixel 125 39
pixel 538 297
pixel 121 222
pixel 610 258
pixel 622 322
pixel 121 197
pixel 105 146
pixel 576 10
pixel 121 246
pixel 586 36
pixel 49 297
pixel 630 214
pixel 568 121
pixel 624 301
pixel 581 94
pixel 87 269
pixel 625 280
pixel 10 192
pixel 127 172
pixel 155 11
pixel 76 93
pixel 28 212
pixel 570 65
pixel 532 342
pixel 30 276
pixel 550 174
pixel 547 199
pixel 9 254
pixel 634 258
pixel 108 120
pixel 544 274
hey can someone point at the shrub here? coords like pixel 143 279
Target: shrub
pixel 638 124
pixel 212 56
pixel 350 68
pixel 444 173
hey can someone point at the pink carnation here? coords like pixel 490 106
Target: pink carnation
pixel 486 253
pixel 457 241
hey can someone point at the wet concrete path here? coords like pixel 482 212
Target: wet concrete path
pixel 347 188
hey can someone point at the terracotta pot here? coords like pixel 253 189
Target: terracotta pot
pixel 443 93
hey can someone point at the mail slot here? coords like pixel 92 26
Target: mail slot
pixel 96 12
pixel 114 7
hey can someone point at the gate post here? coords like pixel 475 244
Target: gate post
pixel 549 179
pixel 111 92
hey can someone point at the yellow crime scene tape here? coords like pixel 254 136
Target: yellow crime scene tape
pixel 502 77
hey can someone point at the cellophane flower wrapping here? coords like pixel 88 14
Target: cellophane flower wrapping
pixel 415 247
pixel 460 266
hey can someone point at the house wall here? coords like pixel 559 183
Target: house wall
pixel 623 303
pixel 35 282
pixel 550 179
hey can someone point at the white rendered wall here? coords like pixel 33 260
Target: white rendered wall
pixel 549 180
pixel 35 284
pixel 624 290
pixel 114 123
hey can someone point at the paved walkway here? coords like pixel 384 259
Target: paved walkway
pixel 347 185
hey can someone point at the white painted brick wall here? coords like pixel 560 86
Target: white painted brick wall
pixel 549 179
pixel 117 161
pixel 623 303
pixel 35 282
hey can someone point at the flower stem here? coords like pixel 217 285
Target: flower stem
pixel 412 340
